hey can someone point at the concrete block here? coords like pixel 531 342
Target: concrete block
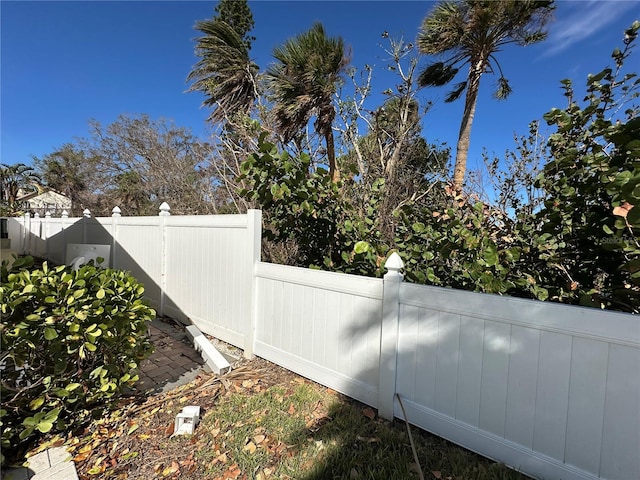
pixel 39 462
pixel 58 455
pixel 213 358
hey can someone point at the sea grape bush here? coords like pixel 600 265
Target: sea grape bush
pixel 71 342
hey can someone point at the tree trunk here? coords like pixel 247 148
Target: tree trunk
pixel 331 154
pixel 464 137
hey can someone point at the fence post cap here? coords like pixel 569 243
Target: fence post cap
pixel 47 214
pixel 116 211
pixel 36 215
pixel 164 209
pixel 65 214
pixel 86 213
pixel 394 263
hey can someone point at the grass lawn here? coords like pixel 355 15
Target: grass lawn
pixel 263 422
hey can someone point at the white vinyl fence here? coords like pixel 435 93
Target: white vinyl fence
pixel 550 390
pixel 192 267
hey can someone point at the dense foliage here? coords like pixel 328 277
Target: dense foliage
pixel 580 246
pixel 590 222
pixel 71 342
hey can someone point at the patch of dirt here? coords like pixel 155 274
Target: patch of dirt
pixel 135 441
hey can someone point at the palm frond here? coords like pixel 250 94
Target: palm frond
pixel 224 73
pixel 504 89
pixel 454 94
pixel 436 75
pixel 304 79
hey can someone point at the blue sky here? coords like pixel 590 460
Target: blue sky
pixel 63 63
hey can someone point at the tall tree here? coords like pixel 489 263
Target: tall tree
pixel 472 32
pixel 304 81
pixel 225 73
pixel 14 178
pixel 138 163
pixel 237 14
pixel 67 170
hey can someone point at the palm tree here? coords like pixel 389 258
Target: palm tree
pixel 304 81
pixel 471 31
pixel 224 73
pixel 13 178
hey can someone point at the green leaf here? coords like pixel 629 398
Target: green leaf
pixel 633 217
pixel 419 227
pixel 491 255
pixel 50 333
pixel 100 294
pixel 36 403
pixel 44 426
pixel 361 247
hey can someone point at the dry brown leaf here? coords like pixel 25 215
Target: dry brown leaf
pixel 171 469
pixel 169 430
pixel 369 413
pixel 82 456
pixel 437 473
pixel 258 439
pixel 247 383
pixel 222 458
pixel 232 472
pixel 623 210
pixel 292 409
pixel 250 447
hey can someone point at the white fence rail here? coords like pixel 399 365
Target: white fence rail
pixel 551 390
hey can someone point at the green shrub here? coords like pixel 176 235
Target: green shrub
pixel 71 342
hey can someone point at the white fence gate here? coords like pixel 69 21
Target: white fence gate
pixel 550 390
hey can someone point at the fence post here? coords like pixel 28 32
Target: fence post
pixel 26 231
pixel 389 335
pixel 46 229
pixel 164 213
pixel 116 213
pixel 86 213
pixel 254 226
pixel 37 223
pixel 63 227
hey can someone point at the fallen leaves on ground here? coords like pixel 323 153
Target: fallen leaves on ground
pixel 134 441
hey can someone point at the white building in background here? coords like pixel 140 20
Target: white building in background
pixel 46 200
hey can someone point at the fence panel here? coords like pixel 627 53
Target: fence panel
pixel 325 326
pixel 209 273
pixel 548 389
pixel 56 238
pixel 137 249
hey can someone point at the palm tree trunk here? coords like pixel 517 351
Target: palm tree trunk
pixel 331 154
pixel 464 137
